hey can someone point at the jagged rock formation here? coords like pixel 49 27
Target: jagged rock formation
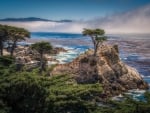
pixel 24 54
pixel 106 68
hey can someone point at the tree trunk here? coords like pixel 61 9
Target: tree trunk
pixel 95 52
pixel 2 51
pixel 96 48
pixel 41 62
pixel 1 48
pixel 137 108
pixel 13 48
pixel 94 43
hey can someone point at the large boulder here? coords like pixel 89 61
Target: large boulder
pixel 106 68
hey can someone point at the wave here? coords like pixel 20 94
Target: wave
pixel 72 53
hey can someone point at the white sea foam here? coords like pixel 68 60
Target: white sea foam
pixel 136 91
pixel 125 58
pixel 72 53
pixel 146 76
pixel 142 76
pixel 136 94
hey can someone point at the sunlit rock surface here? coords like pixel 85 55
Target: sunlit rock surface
pixel 106 68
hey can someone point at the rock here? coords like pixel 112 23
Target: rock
pixel 24 54
pixel 106 68
pixel 57 50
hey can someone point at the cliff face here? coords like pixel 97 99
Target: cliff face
pixel 106 68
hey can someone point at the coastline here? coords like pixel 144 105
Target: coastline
pixel 134 50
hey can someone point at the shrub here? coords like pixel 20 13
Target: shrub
pixel 6 60
pixel 27 92
pixel 23 93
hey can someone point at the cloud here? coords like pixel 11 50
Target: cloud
pixel 134 21
pixel 43 26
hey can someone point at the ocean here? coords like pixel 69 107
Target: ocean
pixel 134 48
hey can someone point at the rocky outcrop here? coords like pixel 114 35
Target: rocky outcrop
pixel 106 68
pixel 24 54
pixel 29 59
pixel 57 50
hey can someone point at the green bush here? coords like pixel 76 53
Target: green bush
pixel 7 65
pixel 28 93
pixel 23 93
pixel 6 60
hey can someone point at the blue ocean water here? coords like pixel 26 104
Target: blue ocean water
pixel 134 48
pixel 54 35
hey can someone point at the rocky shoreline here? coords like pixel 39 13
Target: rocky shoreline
pixel 24 55
pixel 106 68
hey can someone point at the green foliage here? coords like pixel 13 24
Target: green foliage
pixel 17 34
pixel 97 36
pixel 129 105
pixel 147 96
pixel 101 38
pixel 12 34
pixel 22 93
pixel 42 47
pixel 27 92
pixel 93 32
pixel 6 60
pixel 7 65
pixel 68 96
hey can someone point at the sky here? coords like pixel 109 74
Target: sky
pixel 66 9
pixel 114 16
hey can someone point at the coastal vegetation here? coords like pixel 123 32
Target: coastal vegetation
pixel 11 35
pixel 42 48
pixel 27 92
pixel 97 36
pixel 15 35
pixel 23 91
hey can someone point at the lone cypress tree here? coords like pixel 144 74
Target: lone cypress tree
pixel 97 36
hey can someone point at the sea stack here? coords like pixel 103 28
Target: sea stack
pixel 106 68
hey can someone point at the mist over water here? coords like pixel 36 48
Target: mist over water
pixel 134 48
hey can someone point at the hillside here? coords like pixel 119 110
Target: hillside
pixel 31 19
